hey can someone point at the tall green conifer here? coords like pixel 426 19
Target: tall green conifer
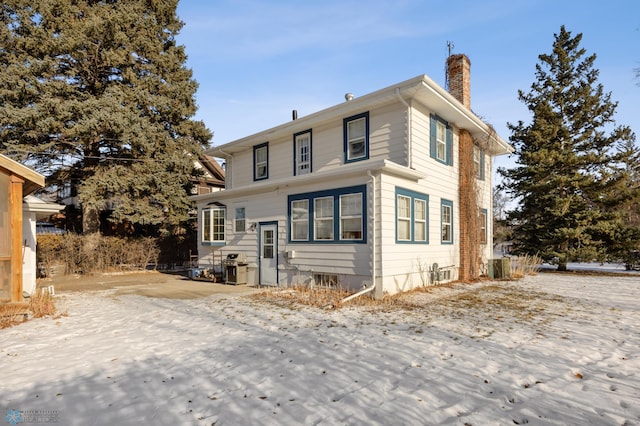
pixel 97 91
pixel 570 162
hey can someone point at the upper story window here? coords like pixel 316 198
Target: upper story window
pixel 446 221
pixel 478 162
pixel 441 141
pixel 411 216
pixel 213 225
pixel 261 161
pixel 302 153
pixel 356 137
pixel 328 216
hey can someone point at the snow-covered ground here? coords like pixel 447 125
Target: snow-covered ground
pixel 547 350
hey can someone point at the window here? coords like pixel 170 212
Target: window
pixel 261 161
pixel 356 137
pixel 483 226
pixel 325 280
pixel 446 220
pixel 420 220
pixel 404 218
pixel 213 226
pixel 331 216
pixel 441 144
pixel 299 220
pixel 478 162
pixel 240 221
pixel 351 217
pixel 302 153
pixel 323 219
pixel 411 216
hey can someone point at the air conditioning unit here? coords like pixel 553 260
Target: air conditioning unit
pixel 500 269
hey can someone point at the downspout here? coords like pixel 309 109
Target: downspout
pixel 373 246
pixel 227 177
pixel 409 131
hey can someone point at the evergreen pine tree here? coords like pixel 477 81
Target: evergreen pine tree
pixel 97 92
pixel 570 162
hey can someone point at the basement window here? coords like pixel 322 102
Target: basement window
pixel 325 280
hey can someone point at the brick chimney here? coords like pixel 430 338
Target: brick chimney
pixel 459 78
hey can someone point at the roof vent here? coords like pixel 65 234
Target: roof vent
pixel 348 96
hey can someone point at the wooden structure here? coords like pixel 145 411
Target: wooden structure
pixel 16 181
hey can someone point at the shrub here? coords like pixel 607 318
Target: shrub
pixel 41 304
pixel 525 265
pixel 10 315
pixel 48 252
pixel 85 254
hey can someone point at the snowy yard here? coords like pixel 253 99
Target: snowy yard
pixel 548 350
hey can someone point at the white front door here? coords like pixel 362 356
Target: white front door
pixel 268 254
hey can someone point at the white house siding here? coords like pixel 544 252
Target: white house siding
pixel 387 137
pixel 264 207
pixel 29 259
pixel 350 262
pixel 404 265
pixel 327 150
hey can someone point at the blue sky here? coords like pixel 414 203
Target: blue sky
pixel 255 61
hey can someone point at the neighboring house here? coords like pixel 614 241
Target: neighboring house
pixel 16 182
pixel 211 178
pixel 370 192
pixel 34 209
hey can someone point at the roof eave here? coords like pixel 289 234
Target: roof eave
pixel 358 169
pixel 32 179
pixel 453 111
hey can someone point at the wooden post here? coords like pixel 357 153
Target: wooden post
pixel 15 219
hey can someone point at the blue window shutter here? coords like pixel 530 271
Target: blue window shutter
pixel 432 138
pixel 481 164
pixel 449 146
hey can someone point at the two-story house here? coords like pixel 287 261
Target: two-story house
pixel 371 192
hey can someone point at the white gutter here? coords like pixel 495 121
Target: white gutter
pixel 409 130
pixel 468 115
pixel 373 246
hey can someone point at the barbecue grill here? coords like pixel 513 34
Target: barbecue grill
pixel 235 266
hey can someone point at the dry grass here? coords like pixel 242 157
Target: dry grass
pixel 525 265
pixel 11 314
pixel 41 304
pixel 502 302
pixel 302 295
pixel 490 306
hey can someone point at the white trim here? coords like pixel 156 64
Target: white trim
pixel 338 173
